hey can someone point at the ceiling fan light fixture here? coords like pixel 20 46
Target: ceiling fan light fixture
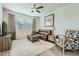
pixel 36 9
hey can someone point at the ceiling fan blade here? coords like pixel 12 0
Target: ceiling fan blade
pixel 38 11
pixel 39 7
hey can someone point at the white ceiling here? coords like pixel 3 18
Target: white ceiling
pixel 25 8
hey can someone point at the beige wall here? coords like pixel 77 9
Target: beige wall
pixel 66 17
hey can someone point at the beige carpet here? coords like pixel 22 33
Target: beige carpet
pixel 25 47
pixel 56 51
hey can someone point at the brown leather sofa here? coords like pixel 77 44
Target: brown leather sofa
pixel 44 33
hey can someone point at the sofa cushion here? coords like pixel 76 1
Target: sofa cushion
pixel 43 33
pixel 46 31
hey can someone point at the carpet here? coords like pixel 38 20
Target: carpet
pixel 24 47
pixel 57 51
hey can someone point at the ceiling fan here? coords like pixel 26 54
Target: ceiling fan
pixel 35 8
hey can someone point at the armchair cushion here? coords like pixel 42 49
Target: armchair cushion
pixel 72 40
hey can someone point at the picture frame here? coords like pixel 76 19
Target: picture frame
pixel 49 20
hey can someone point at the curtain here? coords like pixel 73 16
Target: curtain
pixel 34 25
pixel 11 25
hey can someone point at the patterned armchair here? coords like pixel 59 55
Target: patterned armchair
pixel 69 41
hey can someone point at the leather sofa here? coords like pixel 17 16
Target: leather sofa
pixel 44 33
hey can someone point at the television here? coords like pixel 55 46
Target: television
pixel 4 28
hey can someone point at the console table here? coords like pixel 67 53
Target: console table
pixel 5 42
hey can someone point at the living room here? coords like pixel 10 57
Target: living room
pixel 24 21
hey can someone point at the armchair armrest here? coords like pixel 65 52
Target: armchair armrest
pixel 60 36
pixel 61 41
pixel 63 46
